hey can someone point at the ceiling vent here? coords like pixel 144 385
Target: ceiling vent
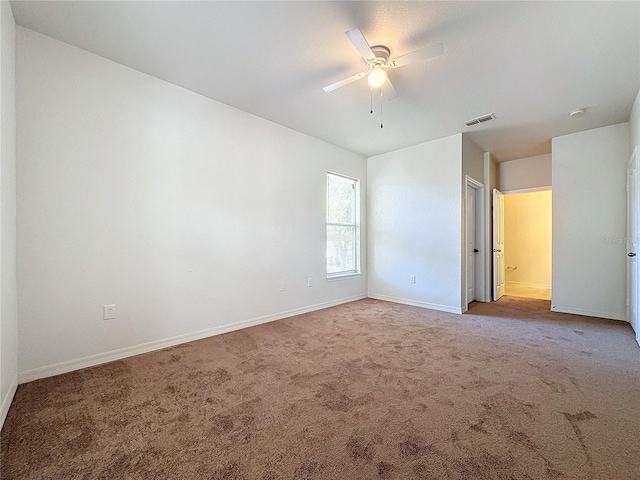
pixel 480 119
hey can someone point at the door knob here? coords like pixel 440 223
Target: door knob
pixel 631 254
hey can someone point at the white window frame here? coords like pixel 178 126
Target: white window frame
pixel 356 224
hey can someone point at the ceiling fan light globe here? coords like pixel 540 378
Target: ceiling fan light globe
pixel 377 78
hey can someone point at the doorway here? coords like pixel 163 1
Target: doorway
pixel 474 247
pixel 527 244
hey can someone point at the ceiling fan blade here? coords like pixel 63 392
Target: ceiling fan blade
pixel 346 81
pixel 388 92
pixel 361 44
pixel 422 54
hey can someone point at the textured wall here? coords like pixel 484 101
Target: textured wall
pixel 525 173
pixel 414 208
pixel 8 299
pixel 185 213
pixel 590 222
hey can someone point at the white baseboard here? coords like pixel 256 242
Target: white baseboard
pixel 589 313
pixel 415 303
pixel 6 401
pixel 119 354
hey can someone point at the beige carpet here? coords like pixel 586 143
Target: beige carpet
pixel 528 291
pixel 364 390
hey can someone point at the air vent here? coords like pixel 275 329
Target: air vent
pixel 480 119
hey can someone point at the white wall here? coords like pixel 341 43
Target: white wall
pixel 589 222
pixel 414 208
pixel 185 213
pixel 525 173
pixel 472 159
pixel 8 301
pixel 634 126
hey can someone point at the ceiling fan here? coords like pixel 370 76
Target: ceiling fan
pixel 377 61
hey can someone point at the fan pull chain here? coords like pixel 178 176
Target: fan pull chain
pixel 381 99
pixel 371 94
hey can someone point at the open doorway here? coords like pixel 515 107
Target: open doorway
pixel 527 244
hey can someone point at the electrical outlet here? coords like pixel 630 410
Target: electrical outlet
pixel 412 279
pixel 109 312
pixel 309 282
pixel 283 286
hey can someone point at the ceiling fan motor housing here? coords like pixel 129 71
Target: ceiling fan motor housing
pixel 381 53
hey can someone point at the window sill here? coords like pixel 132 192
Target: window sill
pixel 343 276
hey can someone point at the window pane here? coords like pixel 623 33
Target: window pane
pixel 341 249
pixel 343 232
pixel 341 194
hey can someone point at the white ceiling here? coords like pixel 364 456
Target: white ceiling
pixel 530 63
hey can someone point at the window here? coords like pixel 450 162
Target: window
pixel 343 225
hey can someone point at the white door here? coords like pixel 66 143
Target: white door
pixel 633 229
pixel 498 244
pixel 471 243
